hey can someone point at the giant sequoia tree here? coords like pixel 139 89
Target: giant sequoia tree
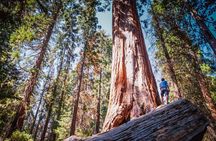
pixel 133 89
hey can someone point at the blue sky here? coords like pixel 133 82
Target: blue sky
pixel 105 20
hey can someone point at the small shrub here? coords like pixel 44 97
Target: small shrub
pixel 20 136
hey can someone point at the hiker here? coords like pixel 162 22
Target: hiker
pixel 164 91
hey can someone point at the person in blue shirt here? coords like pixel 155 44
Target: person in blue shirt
pixel 164 87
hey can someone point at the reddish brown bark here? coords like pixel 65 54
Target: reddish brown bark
pixel 133 87
pixel 204 28
pixel 167 56
pixel 76 102
pixel 98 105
pixel 20 115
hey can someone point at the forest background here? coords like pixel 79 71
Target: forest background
pixel 55 61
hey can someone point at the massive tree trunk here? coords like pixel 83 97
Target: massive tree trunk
pixel 21 113
pixel 133 87
pixel 98 105
pixel 167 56
pixel 179 121
pixel 203 27
pixel 76 102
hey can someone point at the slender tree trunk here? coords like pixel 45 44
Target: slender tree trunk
pixel 46 122
pixel 167 56
pixel 54 94
pixel 28 118
pixel 48 113
pixel 82 115
pixel 204 87
pixel 75 108
pixel 198 73
pixel 39 105
pixel 204 28
pixel 206 94
pixel 21 113
pixel 54 91
pixel 37 126
pixel 133 88
pixel 59 110
pixel 98 105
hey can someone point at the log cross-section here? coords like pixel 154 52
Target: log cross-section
pixel 179 121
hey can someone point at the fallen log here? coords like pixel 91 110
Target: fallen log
pixel 178 121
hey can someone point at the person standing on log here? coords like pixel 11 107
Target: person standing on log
pixel 164 87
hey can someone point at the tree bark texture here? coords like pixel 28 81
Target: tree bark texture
pixel 133 88
pixel 178 121
pixel 21 113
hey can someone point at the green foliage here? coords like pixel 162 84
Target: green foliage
pixel 10 20
pixel 20 136
pixel 84 132
pixel 205 68
pixel 64 126
pixel 184 52
pixel 159 9
pixel 7 108
pixel 212 87
pixel 32 28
